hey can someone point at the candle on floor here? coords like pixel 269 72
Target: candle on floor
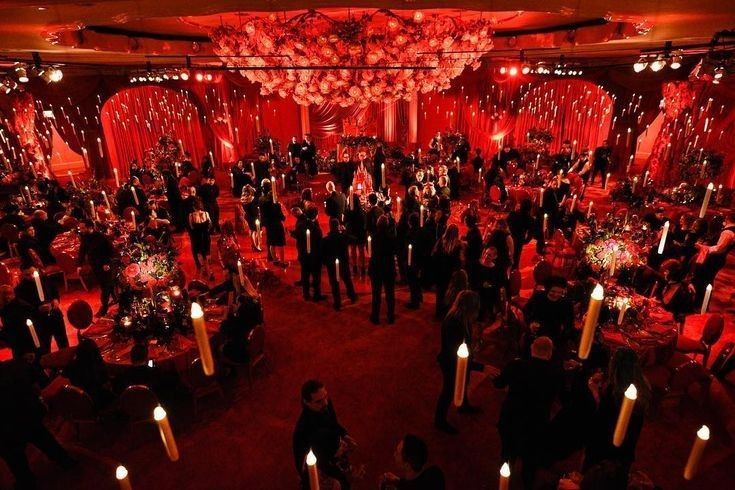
pixel 107 201
pixel 589 210
pixel 370 246
pixel 463 355
pixel 705 301
pixel 421 216
pixel 135 195
pixel 308 241
pixel 71 176
pixel 200 332
pixel 410 254
pixel 39 287
pixel 121 474
pixel 457 162
pixel 479 175
pixel 336 269
pixel 240 273
pixel 664 234
pixel 607 178
pixel 705 201
pixel 398 206
pixel 313 471
pixel 590 321
pixel 695 456
pixel 504 482
pixel 622 308
pixel 28 193
pixel 626 410
pixel 34 334
pixel 382 175
pixel 167 436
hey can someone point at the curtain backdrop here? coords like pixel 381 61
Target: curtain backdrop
pixel 329 122
pixel 134 119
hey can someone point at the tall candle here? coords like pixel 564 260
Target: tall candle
pixel 589 210
pixel 71 176
pixel 107 201
pixel 257 226
pixel 232 180
pixel 607 178
pixel 39 287
pixel 121 474
pixel 200 332
pixel 370 246
pixel 421 215
pixel 382 175
pixel 27 195
pixel 705 301
pixel 664 234
pixel 135 195
pixel 167 436
pixel 240 273
pixel 705 201
pixel 622 308
pixel 463 355
pixel 398 205
pixel 313 471
pixel 117 177
pixel 270 143
pixel 695 456
pixel 541 196
pixel 590 322
pixel 479 175
pixel 504 482
pixel 336 269
pixel 635 182
pixel 308 241
pixel 613 260
pixel 626 410
pixel 252 168
pixel 410 254
pixel 283 182
pixel 574 203
pixel 290 158
pixel 99 148
pixel 627 138
pixel 545 227
pixel 273 190
pixel 132 218
pixel 92 211
pixel 34 335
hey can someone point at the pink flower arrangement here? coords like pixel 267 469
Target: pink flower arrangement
pixel 599 254
pixel 382 39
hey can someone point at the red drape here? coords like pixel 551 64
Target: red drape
pixel 134 119
pixel 328 122
pixel 280 119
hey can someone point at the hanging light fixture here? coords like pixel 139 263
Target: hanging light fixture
pixel 675 62
pixel 22 72
pixel 640 65
pixel 658 64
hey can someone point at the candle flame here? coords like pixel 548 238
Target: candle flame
pixel 35 274
pixel 310 458
pixel 29 323
pixel 505 470
pixel 598 293
pixel 159 413
pixel 196 310
pixel 631 393
pixel 703 433
pixel 711 186
pixel 463 352
pixel 121 472
pixel 709 287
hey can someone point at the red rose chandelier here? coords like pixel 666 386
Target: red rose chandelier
pixel 378 57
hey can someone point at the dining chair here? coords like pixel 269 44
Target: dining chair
pixel 200 385
pixel 74 405
pixel 68 265
pixel 137 402
pixel 711 333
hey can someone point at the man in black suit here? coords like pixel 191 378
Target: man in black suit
pixel 346 172
pixel 309 248
pixel 97 250
pixel 335 247
pixel 13 313
pixel 47 317
pixel 308 155
pixel 550 313
pixel 336 203
pixel 601 161
pixel 294 149
pixel 411 456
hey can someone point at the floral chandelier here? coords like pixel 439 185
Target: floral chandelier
pixel 377 57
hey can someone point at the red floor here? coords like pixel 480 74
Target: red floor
pixel 383 382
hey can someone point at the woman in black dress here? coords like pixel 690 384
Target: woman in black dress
pixel 251 210
pixel 200 226
pixel 356 222
pixel 273 219
pixel 447 258
pixel 382 270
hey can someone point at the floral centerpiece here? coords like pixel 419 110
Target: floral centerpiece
pixel 600 253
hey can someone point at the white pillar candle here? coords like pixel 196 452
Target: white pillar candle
pixel 34 335
pixel 132 219
pixel 290 158
pixel 240 273
pixel 312 470
pixel 107 201
pixel 541 196
pixel 123 479
pixel 274 193
pixel 336 269
pixel 504 482
pixel 421 215
pixel 626 410
pixel 270 143
pixel 283 182
pixel 635 182
pixel 252 168
pixel 664 234
pixel 622 308
pixel 479 175
pixel 308 241
pixel 705 301
pixel 410 254
pixel 545 227
pixel 645 178
pixel 695 456
pixel 92 211
pixel 232 180
pixel 167 435
pixel 135 195
pixel 607 178
pixel 382 175
pixel 574 203
pixel 705 201
pixel 39 287
pixel 27 195
pixel 463 355
pixel 589 210
pixel 99 147
pixel 398 206
pixel 590 321
pixel 200 332
pixel 71 176
pixel 370 246
pixel 257 226
pixel 117 177
pixel 702 170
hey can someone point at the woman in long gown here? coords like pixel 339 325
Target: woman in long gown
pixel 251 210
pixel 200 225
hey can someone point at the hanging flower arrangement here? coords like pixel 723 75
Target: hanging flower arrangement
pixel 361 59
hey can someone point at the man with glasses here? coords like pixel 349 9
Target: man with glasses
pixel 317 414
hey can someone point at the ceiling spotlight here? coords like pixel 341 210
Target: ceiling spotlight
pixel 199 76
pixel 208 77
pixel 526 69
pixel 503 70
pixel 540 69
pixel 658 64
pixel 184 75
pixel 55 74
pixel 418 16
pixel 22 74
pixel 640 65
pixel 675 63
pixel 513 71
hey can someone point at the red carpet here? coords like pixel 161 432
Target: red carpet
pixel 383 382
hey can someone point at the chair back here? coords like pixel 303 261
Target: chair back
pixel 10 232
pixel 712 330
pixel 74 404
pixel 495 194
pixel 66 263
pixel 137 403
pixel 256 343
pixel 514 287
pixel 6 277
pixel 80 314
pixel 541 272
